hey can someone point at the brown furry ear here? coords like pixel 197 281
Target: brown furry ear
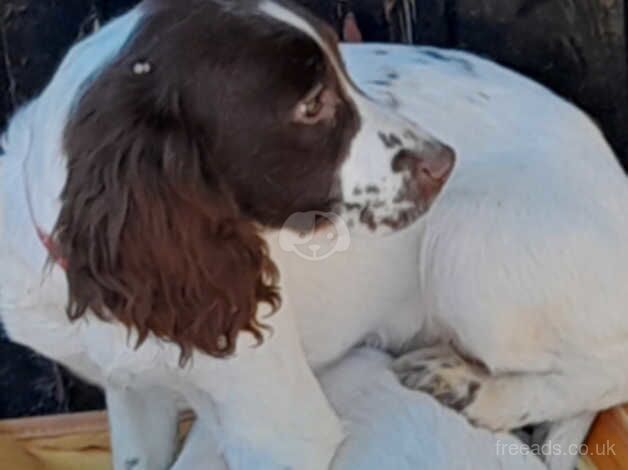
pixel 150 236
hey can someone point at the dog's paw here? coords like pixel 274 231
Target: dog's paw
pixel 441 373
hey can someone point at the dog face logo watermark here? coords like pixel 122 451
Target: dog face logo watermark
pixel 314 235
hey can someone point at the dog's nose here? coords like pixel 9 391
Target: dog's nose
pixel 430 168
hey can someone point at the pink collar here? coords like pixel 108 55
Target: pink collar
pixel 52 248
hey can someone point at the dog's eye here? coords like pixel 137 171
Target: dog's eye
pixel 312 107
pixel 309 109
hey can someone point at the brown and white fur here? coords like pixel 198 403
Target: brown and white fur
pixel 519 267
pixel 143 194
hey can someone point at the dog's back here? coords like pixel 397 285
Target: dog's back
pixel 522 264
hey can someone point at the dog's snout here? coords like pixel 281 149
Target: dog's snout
pixel 436 161
pixel 430 168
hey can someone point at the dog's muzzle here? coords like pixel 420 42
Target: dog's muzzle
pixel 428 171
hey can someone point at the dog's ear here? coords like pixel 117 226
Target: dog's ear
pixel 150 236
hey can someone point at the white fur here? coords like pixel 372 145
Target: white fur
pixel 521 262
pixel 522 259
pixel 369 160
pixel 390 427
pixel 257 395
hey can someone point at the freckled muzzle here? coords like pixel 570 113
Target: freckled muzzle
pixel 424 175
pixel 427 172
pixel 394 172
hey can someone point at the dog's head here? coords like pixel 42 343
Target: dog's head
pixel 218 119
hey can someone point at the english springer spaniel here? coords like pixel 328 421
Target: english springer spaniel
pixel 157 169
pixel 151 177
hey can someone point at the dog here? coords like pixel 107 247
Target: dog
pixel 144 191
pixel 506 300
pixel 496 285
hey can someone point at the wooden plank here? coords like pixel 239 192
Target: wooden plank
pixel 577 48
pixel 608 441
pixel 63 425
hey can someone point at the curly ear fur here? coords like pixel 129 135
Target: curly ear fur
pixel 151 237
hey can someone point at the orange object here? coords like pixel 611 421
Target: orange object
pixel 608 441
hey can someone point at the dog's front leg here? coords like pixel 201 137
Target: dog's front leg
pixel 267 400
pixel 143 425
pixel 201 450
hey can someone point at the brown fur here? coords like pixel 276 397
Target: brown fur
pixel 172 172
pixel 150 237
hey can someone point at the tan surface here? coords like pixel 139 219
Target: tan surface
pixel 81 442
pixel 67 442
pixel 608 440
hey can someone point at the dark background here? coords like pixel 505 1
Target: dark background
pixel 576 47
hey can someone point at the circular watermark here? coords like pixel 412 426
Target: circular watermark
pixel 314 235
